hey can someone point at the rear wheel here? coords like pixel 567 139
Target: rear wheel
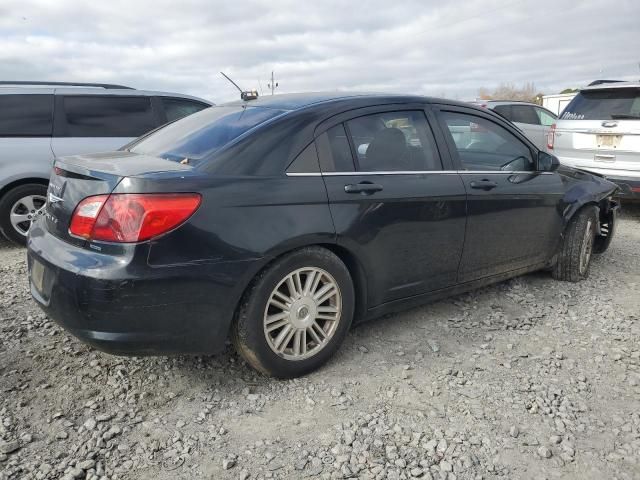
pixel 19 207
pixel 575 254
pixel 296 313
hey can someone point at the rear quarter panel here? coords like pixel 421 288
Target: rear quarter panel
pixel 242 221
pixel 22 158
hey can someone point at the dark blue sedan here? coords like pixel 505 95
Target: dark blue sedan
pixel 282 221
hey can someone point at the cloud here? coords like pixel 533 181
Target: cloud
pixel 427 47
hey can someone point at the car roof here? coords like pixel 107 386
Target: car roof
pixel 70 90
pixel 505 102
pixel 613 85
pixel 297 101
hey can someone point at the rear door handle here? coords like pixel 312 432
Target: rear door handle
pixel 365 188
pixel 483 185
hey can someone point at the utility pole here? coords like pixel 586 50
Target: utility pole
pixel 273 85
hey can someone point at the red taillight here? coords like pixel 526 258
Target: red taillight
pixel 551 137
pixel 131 217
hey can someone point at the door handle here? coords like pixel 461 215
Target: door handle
pixel 483 185
pixel 365 188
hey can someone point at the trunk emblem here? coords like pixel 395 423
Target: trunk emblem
pixel 608 124
pixel 54 198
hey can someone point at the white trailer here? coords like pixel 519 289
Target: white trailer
pixel 556 103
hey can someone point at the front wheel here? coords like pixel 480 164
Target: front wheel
pixel 295 314
pixel 19 207
pixel 574 258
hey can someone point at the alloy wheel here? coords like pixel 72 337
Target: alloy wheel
pixel 302 313
pixel 25 211
pixel 587 247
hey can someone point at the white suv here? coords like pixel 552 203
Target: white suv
pixel 40 121
pixel 599 131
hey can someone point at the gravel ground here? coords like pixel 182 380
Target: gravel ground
pixel 530 378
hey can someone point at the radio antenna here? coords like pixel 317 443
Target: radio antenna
pixel 244 94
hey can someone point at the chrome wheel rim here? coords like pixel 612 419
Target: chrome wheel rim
pixel 587 247
pixel 302 314
pixel 24 212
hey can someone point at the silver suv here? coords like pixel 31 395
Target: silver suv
pixel 535 121
pixel 40 121
pixel 599 131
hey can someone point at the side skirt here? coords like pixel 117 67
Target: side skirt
pixel 417 300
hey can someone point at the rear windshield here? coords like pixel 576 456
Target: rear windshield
pixel 614 104
pixel 199 135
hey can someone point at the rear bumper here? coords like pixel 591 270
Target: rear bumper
pixel 121 305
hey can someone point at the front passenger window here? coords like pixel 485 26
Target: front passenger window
pixel 484 145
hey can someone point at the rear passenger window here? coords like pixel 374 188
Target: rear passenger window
pixel 26 115
pixel 484 145
pixel 108 116
pixel 394 141
pixel 503 110
pixel 524 114
pixel 334 151
pixel 176 108
pixel 546 118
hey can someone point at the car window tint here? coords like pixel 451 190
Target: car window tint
pixel 504 110
pixel 546 118
pixel 484 145
pixel 26 115
pixel 394 141
pixel 615 103
pixel 524 114
pixel 176 108
pixel 334 151
pixel 306 161
pixel 108 116
pixel 199 135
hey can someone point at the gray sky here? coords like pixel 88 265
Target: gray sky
pixel 428 47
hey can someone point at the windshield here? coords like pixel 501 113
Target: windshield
pixel 199 135
pixel 616 103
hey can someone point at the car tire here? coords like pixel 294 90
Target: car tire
pixel 574 258
pixel 284 326
pixel 28 199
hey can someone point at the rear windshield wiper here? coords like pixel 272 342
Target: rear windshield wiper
pixel 622 116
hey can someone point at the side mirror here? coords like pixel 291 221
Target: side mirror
pixel 547 162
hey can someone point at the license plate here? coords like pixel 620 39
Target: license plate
pixel 608 141
pixel 37 276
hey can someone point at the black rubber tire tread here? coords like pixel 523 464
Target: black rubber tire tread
pixel 7 201
pixel 247 332
pixel 567 267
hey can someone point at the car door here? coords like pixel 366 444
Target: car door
pixel 100 123
pixel 392 202
pixel 514 219
pixel 25 134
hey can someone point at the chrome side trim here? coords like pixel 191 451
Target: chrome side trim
pixel 413 172
pixel 392 172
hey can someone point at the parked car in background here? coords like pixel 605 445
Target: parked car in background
pixel 535 121
pixel 599 131
pixel 280 221
pixel 40 121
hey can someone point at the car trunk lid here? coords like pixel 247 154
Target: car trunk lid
pixel 76 178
